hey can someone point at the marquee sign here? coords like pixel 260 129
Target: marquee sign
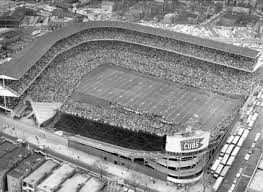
pixel 183 144
pixel 191 144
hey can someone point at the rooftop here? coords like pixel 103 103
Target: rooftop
pixel 260 166
pixel 256 184
pixel 73 184
pixel 37 176
pixel 11 158
pixel 92 185
pixel 2 140
pixel 19 65
pixel 6 147
pixel 110 90
pixel 27 165
pixel 10 34
pixel 238 36
pixel 58 176
pixel 17 14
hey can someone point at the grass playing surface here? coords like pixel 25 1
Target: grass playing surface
pixel 140 92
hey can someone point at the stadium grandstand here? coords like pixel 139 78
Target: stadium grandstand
pixel 133 94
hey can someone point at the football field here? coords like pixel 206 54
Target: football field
pixel 143 93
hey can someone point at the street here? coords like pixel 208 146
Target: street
pixel 248 166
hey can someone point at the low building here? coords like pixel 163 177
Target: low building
pixel 58 176
pixel 74 183
pixel 255 183
pixel 169 18
pixel 6 147
pixel 193 18
pixel 92 185
pixel 9 161
pixel 16 175
pixel 56 22
pixel 2 140
pixel 108 5
pixel 228 21
pixel 258 29
pixel 13 18
pixel 31 182
pixel 10 37
pixel 259 5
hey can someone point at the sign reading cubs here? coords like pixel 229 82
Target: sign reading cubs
pixel 193 142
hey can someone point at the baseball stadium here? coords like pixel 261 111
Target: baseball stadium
pixel 152 100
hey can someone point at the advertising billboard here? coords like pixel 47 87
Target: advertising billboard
pixel 185 143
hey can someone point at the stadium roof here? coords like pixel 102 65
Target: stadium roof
pixel 19 65
pixel 152 102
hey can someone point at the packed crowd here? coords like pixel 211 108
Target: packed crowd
pixel 175 67
pixel 223 126
pixel 106 133
pixel 133 121
pixel 211 55
pixel 121 35
pixel 241 81
pixel 10 102
pixel 60 78
pixel 165 65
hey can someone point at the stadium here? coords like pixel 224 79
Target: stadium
pixel 155 101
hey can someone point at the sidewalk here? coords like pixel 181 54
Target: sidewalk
pixel 240 163
pixel 111 170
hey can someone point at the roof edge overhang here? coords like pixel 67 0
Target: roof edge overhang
pixel 6 92
pixel 51 38
pixel 7 77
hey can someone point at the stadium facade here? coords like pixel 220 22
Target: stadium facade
pixel 155 119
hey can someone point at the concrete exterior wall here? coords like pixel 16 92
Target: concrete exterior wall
pixel 14 184
pixel 118 160
pixel 3 180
